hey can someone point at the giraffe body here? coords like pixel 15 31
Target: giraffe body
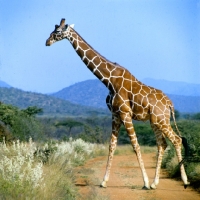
pixel 128 99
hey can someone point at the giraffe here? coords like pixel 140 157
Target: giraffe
pixel 128 100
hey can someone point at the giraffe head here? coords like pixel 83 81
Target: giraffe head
pixel 60 32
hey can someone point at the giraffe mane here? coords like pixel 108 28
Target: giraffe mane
pixel 113 63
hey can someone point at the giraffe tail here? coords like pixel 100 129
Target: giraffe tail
pixel 184 140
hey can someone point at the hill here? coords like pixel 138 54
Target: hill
pixel 173 87
pixel 4 84
pixel 93 93
pixel 50 105
pixel 90 92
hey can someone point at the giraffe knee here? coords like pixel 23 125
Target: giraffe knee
pixel 177 141
pixel 164 145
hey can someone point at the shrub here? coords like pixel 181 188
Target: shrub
pixel 18 169
pixel 190 129
pixel 25 175
pixel 21 123
pixel 144 134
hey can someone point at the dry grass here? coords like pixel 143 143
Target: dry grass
pixel 53 180
pixel 128 149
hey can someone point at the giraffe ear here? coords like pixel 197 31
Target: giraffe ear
pixel 62 22
pixel 72 25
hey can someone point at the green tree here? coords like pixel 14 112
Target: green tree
pixel 70 123
pixel 33 110
pixel 177 114
pixel 196 116
pixel 21 125
pixel 144 132
pixel 91 134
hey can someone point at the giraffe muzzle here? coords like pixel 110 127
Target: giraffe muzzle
pixel 48 43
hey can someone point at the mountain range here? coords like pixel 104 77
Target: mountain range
pixel 51 106
pixel 186 97
pixel 89 97
pixel 4 84
pixel 172 87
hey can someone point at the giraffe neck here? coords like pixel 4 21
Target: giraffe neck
pixel 100 66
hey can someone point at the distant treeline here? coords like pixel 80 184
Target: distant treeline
pixel 16 123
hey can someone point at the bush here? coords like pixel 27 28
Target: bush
pixel 190 129
pixel 20 123
pixel 144 132
pixel 24 176
pixel 18 169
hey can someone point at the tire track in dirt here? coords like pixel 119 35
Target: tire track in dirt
pixel 126 181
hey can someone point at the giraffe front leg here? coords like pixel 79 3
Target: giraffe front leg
pixel 136 148
pixel 161 150
pixel 112 147
pixel 131 133
pixel 116 122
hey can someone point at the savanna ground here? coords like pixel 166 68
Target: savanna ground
pixel 126 179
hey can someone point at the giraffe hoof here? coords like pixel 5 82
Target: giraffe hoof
pixel 185 185
pixel 103 184
pixel 153 186
pixel 145 188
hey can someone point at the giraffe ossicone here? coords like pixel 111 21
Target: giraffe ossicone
pixel 128 99
pixel 72 25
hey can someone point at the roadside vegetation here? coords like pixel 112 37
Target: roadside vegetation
pixel 38 153
pixel 30 170
pixel 190 129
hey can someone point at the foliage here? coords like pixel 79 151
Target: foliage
pixel 91 129
pixel 190 129
pixel 196 116
pixel 18 168
pixel 177 114
pixel 24 175
pixel 96 130
pixel 92 135
pixel 33 110
pixel 5 133
pixel 144 132
pixel 70 123
pixel 20 123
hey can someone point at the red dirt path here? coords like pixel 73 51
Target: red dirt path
pixel 126 181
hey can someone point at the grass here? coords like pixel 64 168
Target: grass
pixel 128 149
pixel 170 163
pixel 45 171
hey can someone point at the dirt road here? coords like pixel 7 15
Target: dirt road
pixel 126 181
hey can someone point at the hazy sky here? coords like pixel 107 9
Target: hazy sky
pixel 154 38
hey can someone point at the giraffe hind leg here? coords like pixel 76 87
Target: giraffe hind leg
pixel 177 142
pixel 162 145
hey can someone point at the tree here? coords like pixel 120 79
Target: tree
pixel 33 110
pixel 70 123
pixel 177 114
pixel 196 116
pixel 21 125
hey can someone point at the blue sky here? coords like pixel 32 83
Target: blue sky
pixel 159 39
